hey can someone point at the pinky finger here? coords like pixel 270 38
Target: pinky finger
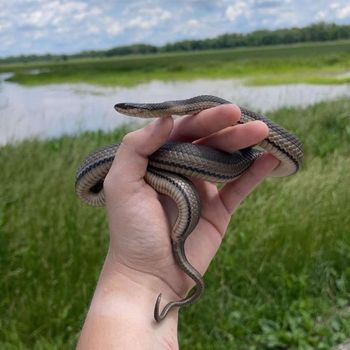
pixel 233 193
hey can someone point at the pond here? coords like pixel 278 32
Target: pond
pixel 52 110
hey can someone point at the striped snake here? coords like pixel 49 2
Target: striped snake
pixel 171 165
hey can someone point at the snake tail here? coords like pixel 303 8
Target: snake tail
pixel 184 264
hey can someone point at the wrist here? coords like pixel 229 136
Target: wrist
pixel 136 280
pixel 124 302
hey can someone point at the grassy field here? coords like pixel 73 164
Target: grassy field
pixel 327 62
pixel 280 281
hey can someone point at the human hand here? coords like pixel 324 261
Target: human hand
pixel 140 220
pixel 140 264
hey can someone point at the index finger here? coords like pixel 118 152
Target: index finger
pixel 207 122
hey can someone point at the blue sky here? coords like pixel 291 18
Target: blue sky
pixel 67 26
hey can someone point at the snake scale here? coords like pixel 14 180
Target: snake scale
pixel 171 165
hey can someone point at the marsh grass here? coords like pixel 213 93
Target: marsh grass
pixel 281 279
pixel 316 63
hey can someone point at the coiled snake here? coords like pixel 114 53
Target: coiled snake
pixel 170 166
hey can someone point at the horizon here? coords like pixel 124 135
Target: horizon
pixel 57 27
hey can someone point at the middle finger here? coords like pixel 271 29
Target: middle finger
pixel 237 137
pixel 207 122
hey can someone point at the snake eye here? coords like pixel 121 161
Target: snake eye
pixel 121 106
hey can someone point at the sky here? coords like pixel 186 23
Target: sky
pixel 69 26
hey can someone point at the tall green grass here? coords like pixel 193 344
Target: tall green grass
pixel 327 62
pixel 281 279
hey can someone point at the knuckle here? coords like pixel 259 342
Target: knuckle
pixel 129 139
pixel 202 124
pixel 254 175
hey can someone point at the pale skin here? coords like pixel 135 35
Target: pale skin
pixel 139 263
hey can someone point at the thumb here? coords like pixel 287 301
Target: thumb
pixel 131 160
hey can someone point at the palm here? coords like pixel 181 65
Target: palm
pixel 148 247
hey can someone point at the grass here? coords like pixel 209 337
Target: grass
pixel 281 279
pixel 316 63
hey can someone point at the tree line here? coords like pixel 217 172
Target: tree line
pixel 314 32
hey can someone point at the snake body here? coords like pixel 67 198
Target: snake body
pixel 171 165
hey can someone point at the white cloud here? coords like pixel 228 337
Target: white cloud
pixel 59 14
pixel 344 12
pixel 37 19
pixel 93 29
pixel 8 41
pixel 5 25
pixel 149 18
pixel 321 15
pixel 38 35
pixel 113 27
pixel 58 18
pixel 193 24
pixel 236 10
pixel 340 9
pixel 285 19
pixel 190 27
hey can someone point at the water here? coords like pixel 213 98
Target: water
pixel 53 110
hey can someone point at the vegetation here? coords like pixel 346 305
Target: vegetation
pixel 315 32
pixel 280 281
pixel 310 63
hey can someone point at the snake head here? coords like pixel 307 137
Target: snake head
pixel 134 109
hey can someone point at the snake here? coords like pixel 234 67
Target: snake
pixel 172 165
